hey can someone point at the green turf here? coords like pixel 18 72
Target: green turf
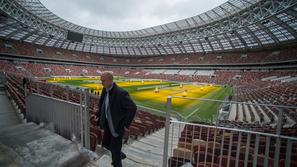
pixel 131 89
pixel 190 110
pixel 209 110
pixel 76 82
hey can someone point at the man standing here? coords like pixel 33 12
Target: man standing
pixel 116 112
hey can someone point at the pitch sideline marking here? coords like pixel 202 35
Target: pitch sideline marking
pixel 192 113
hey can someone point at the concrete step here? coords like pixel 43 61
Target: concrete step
pixel 142 156
pixel 2 86
pixel 147 147
pixel 105 160
pixel 19 128
pixel 32 145
pixel 144 152
pixel 8 116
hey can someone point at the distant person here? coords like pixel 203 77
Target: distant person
pixel 25 82
pixel 116 112
pixel 26 85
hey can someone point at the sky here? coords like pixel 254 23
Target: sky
pixel 127 15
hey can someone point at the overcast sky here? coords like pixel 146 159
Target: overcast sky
pixel 126 15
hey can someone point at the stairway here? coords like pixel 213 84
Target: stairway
pixel 2 87
pixel 8 116
pixel 31 145
pixel 144 152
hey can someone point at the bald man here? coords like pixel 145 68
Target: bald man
pixel 116 112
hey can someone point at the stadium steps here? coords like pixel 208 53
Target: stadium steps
pixel 232 114
pixel 2 87
pixel 8 116
pixel 266 118
pixel 145 152
pixel 247 114
pixel 270 111
pixel 31 145
pixel 289 123
pixel 253 110
pixel 240 113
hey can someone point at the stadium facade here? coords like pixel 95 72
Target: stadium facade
pixel 246 46
pixel 235 25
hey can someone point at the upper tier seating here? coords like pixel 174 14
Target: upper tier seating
pixel 33 50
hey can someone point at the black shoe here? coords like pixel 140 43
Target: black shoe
pixel 123 155
pixel 111 163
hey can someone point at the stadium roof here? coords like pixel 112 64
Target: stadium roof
pixel 127 15
pixel 236 24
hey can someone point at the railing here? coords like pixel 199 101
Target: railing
pixel 232 143
pixel 2 76
pixel 69 119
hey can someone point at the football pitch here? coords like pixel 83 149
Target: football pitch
pixel 151 95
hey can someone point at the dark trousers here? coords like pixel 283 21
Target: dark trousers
pixel 114 145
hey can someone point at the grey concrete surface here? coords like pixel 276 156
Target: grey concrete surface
pixel 30 145
pixel 8 116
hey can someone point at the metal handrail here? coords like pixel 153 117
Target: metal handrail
pixel 234 129
pixel 236 102
pixel 268 136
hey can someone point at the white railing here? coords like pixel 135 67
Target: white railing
pixel 69 119
pixel 224 144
